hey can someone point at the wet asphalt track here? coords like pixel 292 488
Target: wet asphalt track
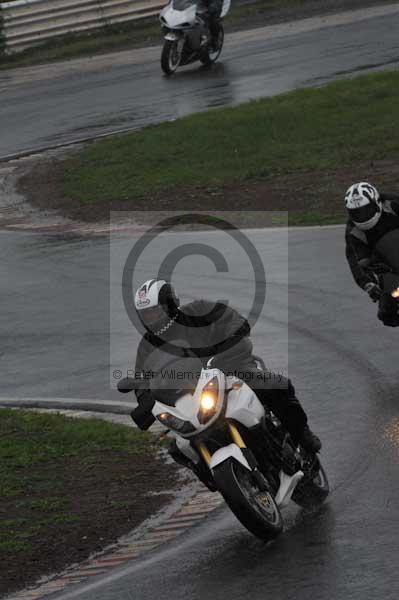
pixel 44 106
pixel 54 323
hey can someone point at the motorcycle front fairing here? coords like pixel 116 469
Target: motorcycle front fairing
pixel 236 401
pixel 181 21
pixel 243 406
pixel 188 407
pixel 175 18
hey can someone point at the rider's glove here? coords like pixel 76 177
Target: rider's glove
pixel 373 290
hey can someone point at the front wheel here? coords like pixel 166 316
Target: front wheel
pixel 170 57
pixel 254 508
pixel 211 52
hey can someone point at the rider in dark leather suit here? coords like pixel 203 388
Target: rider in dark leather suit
pixel 372 245
pixel 210 330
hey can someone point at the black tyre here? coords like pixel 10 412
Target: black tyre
pixel 170 57
pixel 314 492
pixel 210 54
pixel 254 508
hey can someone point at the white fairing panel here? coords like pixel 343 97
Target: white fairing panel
pixel 185 409
pixel 174 18
pixel 242 403
pixel 288 484
pixel 185 447
pixel 231 451
pixel 244 406
pixel 188 405
pixel 225 8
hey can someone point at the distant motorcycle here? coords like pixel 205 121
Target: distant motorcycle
pixel 187 35
pixel 219 423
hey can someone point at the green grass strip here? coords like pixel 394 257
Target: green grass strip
pixel 28 440
pixel 35 450
pixel 312 129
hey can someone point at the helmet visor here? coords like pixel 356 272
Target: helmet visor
pixel 363 214
pixel 151 317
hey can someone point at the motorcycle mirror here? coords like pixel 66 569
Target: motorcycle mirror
pixel 126 385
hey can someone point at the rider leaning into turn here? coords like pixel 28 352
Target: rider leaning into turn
pixel 373 218
pixel 210 329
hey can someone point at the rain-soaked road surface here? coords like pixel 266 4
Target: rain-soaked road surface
pixel 44 106
pixel 54 323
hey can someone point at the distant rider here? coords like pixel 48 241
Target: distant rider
pixel 372 245
pixel 224 333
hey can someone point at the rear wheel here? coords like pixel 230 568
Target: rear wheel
pixel 254 507
pixel 170 57
pixel 314 492
pixel 211 52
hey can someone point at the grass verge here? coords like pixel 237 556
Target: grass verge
pixel 296 152
pixel 70 487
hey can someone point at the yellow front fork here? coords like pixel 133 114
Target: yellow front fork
pixel 236 437
pixel 235 434
pixel 203 450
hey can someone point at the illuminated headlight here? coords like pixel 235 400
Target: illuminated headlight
pixel 172 422
pixel 395 293
pixel 209 401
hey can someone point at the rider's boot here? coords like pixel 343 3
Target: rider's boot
pixel 308 440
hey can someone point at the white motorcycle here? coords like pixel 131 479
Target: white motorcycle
pixel 220 425
pixel 187 36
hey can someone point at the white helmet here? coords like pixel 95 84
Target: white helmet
pixel 363 204
pixel 156 304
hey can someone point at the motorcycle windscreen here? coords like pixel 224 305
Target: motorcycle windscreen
pixel 175 378
pixel 183 4
pixel 388 248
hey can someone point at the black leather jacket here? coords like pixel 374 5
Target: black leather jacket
pixel 204 328
pixel 214 7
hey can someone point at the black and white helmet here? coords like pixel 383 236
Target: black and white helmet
pixel 157 305
pixel 363 204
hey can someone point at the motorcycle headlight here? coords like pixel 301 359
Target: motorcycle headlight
pixel 172 422
pixel 209 401
pixel 395 293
